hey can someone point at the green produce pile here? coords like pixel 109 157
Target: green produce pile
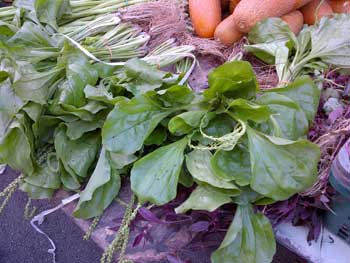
pixel 69 122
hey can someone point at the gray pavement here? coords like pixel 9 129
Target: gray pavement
pixel 19 243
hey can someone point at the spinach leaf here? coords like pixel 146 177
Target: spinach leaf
pixel 143 77
pixel 36 192
pixel 100 191
pixel 16 148
pixel 291 119
pixel 36 86
pixel 232 80
pixel 154 177
pixel 204 197
pixel 334 50
pixel 185 122
pixel 198 164
pixel 130 123
pixel 281 168
pixel 303 91
pixel 50 11
pixel 250 239
pixel 233 165
pixel 77 156
pixel 246 110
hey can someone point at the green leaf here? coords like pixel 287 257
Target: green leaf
pixel 204 198
pixel 270 30
pixel 77 129
pixel 154 178
pixel 119 161
pixel 281 168
pixel 16 148
pixel 291 119
pixel 45 177
pixel 157 137
pixel 77 156
pixel 144 77
pixel 198 164
pixel 250 239
pixel 33 110
pixel 246 110
pixel 185 122
pixel 232 80
pixel 274 53
pixel 35 36
pixel 176 96
pixel 129 124
pixel 100 93
pixel 36 192
pixel 185 177
pixel 100 191
pixel 36 86
pixel 303 91
pixel 332 50
pixel 233 165
pixel 50 11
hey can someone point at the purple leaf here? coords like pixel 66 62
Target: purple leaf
pixel 138 239
pixel 336 114
pixel 149 216
pixel 200 226
pixel 174 259
pixel 347 147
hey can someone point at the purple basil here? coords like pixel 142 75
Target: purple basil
pixel 149 216
pixel 200 226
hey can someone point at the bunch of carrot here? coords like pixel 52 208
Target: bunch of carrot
pixel 206 15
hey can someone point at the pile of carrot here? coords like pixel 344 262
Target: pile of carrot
pixel 228 20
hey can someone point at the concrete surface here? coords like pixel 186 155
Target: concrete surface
pixel 19 243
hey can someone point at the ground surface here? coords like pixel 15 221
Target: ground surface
pixel 20 243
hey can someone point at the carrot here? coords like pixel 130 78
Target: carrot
pixel 233 4
pixel 315 10
pixel 227 33
pixel 295 21
pixel 205 16
pixel 250 12
pixel 340 6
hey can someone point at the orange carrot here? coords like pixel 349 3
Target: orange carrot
pixel 295 21
pixel 227 33
pixel 315 10
pixel 233 4
pixel 250 12
pixel 340 6
pixel 205 16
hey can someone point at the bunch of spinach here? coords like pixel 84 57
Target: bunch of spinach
pixel 67 122
pixel 237 143
pixel 312 51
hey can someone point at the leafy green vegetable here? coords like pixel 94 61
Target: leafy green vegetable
pixel 250 238
pixel 100 191
pixel 204 198
pixel 285 167
pixel 198 164
pixel 233 165
pixel 154 178
pixel 77 156
pixel 312 49
pixel 130 123
pixel 186 122
pixel 232 80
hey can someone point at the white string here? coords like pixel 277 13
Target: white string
pixel 41 217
